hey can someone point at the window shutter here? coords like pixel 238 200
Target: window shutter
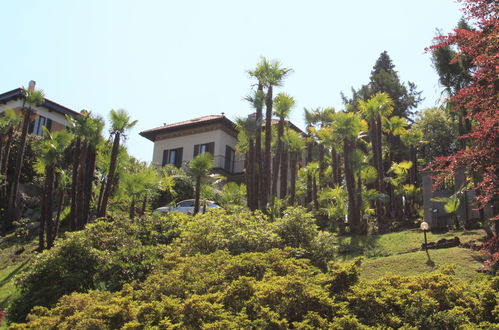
pixel 227 158
pixel 211 148
pixel 196 150
pixel 179 157
pixel 166 154
pixel 48 124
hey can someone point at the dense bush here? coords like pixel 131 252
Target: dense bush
pixel 274 290
pixel 105 255
pixel 237 232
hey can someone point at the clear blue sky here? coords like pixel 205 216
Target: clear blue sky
pixel 167 61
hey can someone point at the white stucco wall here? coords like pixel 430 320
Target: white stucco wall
pixel 187 142
pixel 41 111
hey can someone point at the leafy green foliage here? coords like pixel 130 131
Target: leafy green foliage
pixel 274 290
pixel 105 255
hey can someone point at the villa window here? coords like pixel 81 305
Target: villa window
pixel 172 157
pixel 202 148
pixel 36 126
pixel 230 157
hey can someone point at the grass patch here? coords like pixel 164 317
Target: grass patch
pixel 15 257
pixel 466 262
pixel 396 243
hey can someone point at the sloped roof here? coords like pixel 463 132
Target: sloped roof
pixel 18 93
pixel 191 123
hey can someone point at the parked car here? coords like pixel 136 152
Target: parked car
pixel 187 207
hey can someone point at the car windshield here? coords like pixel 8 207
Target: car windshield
pixel 186 204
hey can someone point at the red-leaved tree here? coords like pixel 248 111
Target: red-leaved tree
pixel 479 99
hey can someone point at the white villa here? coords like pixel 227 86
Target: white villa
pixel 180 142
pixel 49 114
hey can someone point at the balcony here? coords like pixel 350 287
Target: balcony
pixel 232 167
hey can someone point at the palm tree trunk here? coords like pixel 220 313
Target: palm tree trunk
pixel 46 226
pixel 258 169
pixel 267 169
pixel 197 195
pixel 336 167
pixel 132 209
pixel 252 200
pixel 294 166
pixel 6 152
pixel 322 165
pixel 284 175
pixel 310 147
pixel 80 194
pixel 278 156
pixel 380 181
pixel 101 193
pixel 12 211
pixel 74 186
pixel 353 217
pixel 110 176
pixel 144 204
pixel 314 193
pixel 89 179
pixel 59 210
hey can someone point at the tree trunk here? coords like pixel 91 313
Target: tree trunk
pixel 89 180
pixel 353 212
pixel 144 204
pixel 251 184
pixel 197 195
pixel 101 193
pixel 267 169
pixel 58 217
pixel 132 209
pixel 278 157
pixel 80 186
pixel 284 175
pixel 74 184
pixel 314 193
pixel 46 225
pixel 110 176
pixel 294 166
pixel 258 169
pixel 12 210
pixel 322 165
pixel 335 164
pixel 310 147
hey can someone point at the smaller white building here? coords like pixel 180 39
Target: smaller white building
pixel 178 143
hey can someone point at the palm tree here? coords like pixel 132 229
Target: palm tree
pixel 348 126
pixel 52 149
pixel 199 168
pixel 137 181
pixel 375 110
pixel 120 124
pixel 8 122
pixel 88 130
pixel 269 74
pixel 248 128
pixel 294 144
pixel 256 100
pixel 283 104
pixel 32 98
pixel 312 117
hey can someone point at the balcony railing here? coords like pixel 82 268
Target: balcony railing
pixel 235 166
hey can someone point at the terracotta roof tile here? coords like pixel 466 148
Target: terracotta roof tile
pixel 185 122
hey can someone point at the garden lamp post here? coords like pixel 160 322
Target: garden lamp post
pixel 425 227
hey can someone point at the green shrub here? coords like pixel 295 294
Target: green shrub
pixel 106 255
pixel 297 227
pixel 272 290
pixel 238 233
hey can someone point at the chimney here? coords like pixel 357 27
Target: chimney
pixel 31 85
